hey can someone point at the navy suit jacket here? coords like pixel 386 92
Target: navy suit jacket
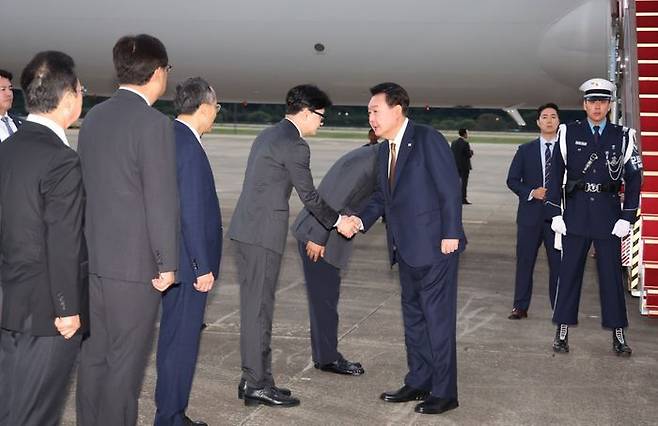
pixel 201 220
pixel 525 174
pixel 587 214
pixel 425 204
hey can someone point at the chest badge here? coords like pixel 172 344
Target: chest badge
pixel 581 143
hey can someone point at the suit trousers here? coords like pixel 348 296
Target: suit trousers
pixel 464 177
pixel 429 313
pixel 611 288
pixel 528 240
pixel 34 373
pixel 183 308
pixel 122 319
pixel 323 290
pixel 258 275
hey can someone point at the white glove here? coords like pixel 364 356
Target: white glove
pixel 622 228
pixel 558 226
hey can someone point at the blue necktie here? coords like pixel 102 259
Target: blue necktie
pixel 5 120
pixel 547 163
pixel 596 134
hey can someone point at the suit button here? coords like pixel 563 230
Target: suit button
pixel 591 198
pixel 594 171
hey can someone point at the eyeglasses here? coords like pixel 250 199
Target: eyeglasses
pixel 322 116
pixel 83 90
pixel 218 106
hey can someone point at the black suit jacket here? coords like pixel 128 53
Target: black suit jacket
pixel 462 152
pixel 347 186
pixel 41 240
pixel 127 151
pixel 17 121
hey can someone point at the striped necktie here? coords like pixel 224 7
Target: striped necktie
pixel 5 120
pixel 548 155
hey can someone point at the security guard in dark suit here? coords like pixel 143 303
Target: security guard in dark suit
pixel 592 159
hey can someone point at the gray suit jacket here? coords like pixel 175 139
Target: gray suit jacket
pixel 127 151
pixel 348 185
pixel 279 159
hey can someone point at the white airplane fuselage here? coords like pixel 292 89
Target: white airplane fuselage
pixel 481 53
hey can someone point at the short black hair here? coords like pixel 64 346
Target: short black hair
pixel 137 57
pixel 395 95
pixel 306 96
pixel 6 74
pixel 191 94
pixel 545 106
pixel 463 132
pixel 46 79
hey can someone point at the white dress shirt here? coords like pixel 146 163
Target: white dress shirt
pixel 4 133
pixel 56 128
pixel 542 155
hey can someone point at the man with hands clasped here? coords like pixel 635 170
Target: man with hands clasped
pixel 184 304
pixel 419 192
pixel 44 266
pixel 592 158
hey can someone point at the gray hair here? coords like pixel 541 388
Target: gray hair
pixel 191 94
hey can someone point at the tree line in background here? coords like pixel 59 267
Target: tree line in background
pixel 478 119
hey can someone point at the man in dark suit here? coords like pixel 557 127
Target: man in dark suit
pixel 41 214
pixel 9 123
pixel 278 161
pixel 418 190
pixel 528 176
pixel 184 304
pixel 127 151
pixel 347 186
pixel 462 151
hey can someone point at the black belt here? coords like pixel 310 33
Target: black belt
pixel 597 187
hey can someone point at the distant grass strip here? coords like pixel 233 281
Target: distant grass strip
pixel 337 133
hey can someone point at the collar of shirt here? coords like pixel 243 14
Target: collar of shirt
pixel 196 134
pixel 137 93
pixel 398 138
pixel 293 123
pixel 56 128
pixel 545 141
pixel 601 125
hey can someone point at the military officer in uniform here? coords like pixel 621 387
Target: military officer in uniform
pixel 592 159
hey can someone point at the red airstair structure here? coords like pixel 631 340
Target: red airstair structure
pixel 646 22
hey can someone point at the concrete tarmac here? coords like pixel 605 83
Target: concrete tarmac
pixel 508 373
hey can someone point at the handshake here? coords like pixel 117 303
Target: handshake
pixel 349 225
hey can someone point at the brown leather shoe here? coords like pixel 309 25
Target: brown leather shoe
pixel 518 314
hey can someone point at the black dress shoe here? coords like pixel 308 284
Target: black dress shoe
pixel 268 396
pixel 243 385
pixel 342 366
pixel 405 394
pixel 436 405
pixel 619 343
pixel 561 341
pixel 518 314
pixel 189 422
pixel 466 202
